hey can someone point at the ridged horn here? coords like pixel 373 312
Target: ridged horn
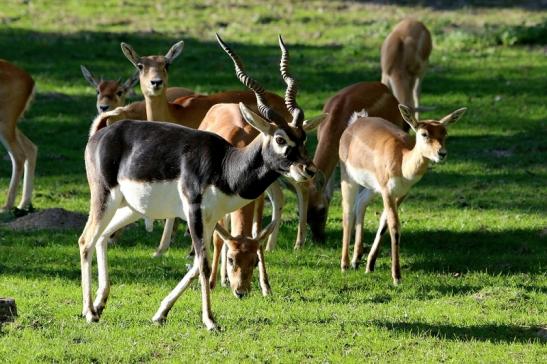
pixel 290 94
pixel 263 107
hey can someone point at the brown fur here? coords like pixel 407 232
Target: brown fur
pixel 376 99
pixel 16 91
pixel 405 53
pixel 377 148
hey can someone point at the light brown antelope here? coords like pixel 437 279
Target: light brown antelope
pixel 380 157
pixel 187 111
pixel 376 100
pixel 16 91
pixel 139 169
pixel 404 57
pixel 112 93
pixel 227 121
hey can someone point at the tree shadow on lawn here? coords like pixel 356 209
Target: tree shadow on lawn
pixel 39 254
pixel 488 332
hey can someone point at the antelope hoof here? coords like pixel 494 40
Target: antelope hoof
pixel 266 291
pixel 355 264
pixel 91 317
pixel 159 319
pixel 211 326
pixel 158 254
pixel 99 309
pixel 344 266
pixel 397 281
pixel 212 283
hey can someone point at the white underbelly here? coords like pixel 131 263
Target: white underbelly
pixel 364 178
pixel 397 186
pixel 215 203
pixel 155 200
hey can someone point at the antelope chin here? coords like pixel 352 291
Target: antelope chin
pixel 155 91
pixel 298 174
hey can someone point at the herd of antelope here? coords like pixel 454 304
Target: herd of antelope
pixel 211 160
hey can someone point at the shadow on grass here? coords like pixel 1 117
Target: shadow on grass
pixel 491 333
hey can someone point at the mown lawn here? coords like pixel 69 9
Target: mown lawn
pixel 473 251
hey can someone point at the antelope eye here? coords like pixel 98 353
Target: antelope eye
pixel 140 66
pixel 119 93
pixel 231 261
pixel 167 66
pixel 280 141
pixel 98 92
pixel 423 134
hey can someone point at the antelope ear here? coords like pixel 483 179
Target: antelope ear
pixel 224 234
pixel 453 117
pixel 266 231
pixel 174 52
pixel 256 121
pixel 131 82
pixel 408 115
pixel 89 76
pixel 130 53
pixel 311 124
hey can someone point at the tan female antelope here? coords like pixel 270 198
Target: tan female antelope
pixel 16 91
pixel 160 170
pixel 383 159
pixel 404 60
pixel 112 93
pixel 377 100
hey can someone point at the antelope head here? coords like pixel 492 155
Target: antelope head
pixel 283 141
pixel 431 134
pixel 152 70
pixel 110 93
pixel 242 257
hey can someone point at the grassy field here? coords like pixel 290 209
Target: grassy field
pixel 473 251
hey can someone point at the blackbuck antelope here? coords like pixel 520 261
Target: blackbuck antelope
pixel 16 91
pixel 139 169
pixel 404 57
pixel 187 111
pixel 227 121
pixel 376 100
pixel 112 93
pixel 380 157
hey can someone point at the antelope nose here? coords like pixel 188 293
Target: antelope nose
pixel 156 83
pixel 103 108
pixel 442 154
pixel 239 294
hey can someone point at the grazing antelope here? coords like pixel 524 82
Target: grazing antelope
pixel 377 100
pixel 139 169
pixel 383 159
pixel 16 91
pixel 112 93
pixel 404 57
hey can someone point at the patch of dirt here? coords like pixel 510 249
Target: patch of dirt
pixel 49 219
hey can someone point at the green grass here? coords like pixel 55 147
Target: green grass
pixel 473 251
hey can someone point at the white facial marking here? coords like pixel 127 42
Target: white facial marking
pixel 281 142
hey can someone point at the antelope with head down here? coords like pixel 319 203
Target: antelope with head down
pixel 405 53
pixel 139 169
pixel 385 160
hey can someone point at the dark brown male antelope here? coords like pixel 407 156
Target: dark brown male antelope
pixel 159 170
pixel 382 158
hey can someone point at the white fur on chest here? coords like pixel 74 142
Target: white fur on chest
pixel 155 200
pixel 215 203
pixel 397 186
